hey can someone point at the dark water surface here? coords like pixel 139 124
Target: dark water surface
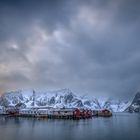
pixel 121 126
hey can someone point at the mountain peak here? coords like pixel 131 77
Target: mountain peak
pixel 61 98
pixel 136 99
pixel 135 104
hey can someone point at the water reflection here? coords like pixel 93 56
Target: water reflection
pixel 120 126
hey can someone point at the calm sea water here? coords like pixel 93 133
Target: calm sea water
pixel 121 126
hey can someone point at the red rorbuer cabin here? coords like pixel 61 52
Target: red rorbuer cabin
pixel 77 113
pixel 82 113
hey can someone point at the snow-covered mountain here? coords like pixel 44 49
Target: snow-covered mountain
pixel 58 99
pixel 135 104
pixel 116 105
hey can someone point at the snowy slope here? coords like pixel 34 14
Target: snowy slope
pixel 116 106
pixel 135 104
pixel 58 99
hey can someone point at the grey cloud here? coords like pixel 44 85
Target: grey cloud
pixel 100 60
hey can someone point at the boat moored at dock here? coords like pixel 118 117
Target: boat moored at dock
pixel 104 113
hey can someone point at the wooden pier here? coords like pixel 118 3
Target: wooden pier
pixel 57 113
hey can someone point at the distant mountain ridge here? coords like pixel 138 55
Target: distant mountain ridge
pixel 64 98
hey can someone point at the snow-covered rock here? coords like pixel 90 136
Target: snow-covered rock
pixel 57 99
pixel 135 105
pixel 116 106
pixel 64 98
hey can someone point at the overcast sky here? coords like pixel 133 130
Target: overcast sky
pixel 89 46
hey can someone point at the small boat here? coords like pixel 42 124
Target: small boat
pixel 105 113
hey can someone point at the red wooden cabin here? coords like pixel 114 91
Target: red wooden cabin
pixel 77 113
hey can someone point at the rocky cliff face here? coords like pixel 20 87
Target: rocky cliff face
pixel 135 105
pixel 116 106
pixel 63 98
pixel 59 98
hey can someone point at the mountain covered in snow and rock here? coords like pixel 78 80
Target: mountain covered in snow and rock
pixel 59 98
pixel 135 104
pixel 64 98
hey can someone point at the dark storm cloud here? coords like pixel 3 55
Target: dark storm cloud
pixel 90 46
pixel 21 13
